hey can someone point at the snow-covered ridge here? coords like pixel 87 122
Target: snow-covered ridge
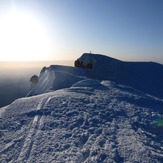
pixel 144 76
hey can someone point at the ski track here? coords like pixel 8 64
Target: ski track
pixel 28 142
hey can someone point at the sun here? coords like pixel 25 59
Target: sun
pixel 22 37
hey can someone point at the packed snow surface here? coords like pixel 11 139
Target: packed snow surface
pixel 104 122
pixel 75 118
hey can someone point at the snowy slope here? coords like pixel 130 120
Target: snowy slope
pixel 144 76
pixel 90 122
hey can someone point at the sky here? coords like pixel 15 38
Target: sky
pixel 129 30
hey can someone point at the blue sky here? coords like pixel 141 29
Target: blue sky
pixel 125 29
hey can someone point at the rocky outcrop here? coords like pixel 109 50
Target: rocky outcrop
pixel 34 80
pixel 85 61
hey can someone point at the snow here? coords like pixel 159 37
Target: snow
pixel 2 110
pixel 82 120
pixel 144 76
pixel 57 77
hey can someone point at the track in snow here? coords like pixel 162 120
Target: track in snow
pixel 28 142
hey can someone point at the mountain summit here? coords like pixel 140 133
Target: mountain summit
pixel 144 76
pixel 76 114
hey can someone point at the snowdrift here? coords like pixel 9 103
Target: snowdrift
pixel 57 77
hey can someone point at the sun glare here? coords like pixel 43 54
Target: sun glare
pixel 22 37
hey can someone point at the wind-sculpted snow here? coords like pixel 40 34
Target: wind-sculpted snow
pixel 57 77
pixel 100 122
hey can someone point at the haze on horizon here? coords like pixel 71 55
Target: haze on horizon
pixel 15 77
pixel 63 30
